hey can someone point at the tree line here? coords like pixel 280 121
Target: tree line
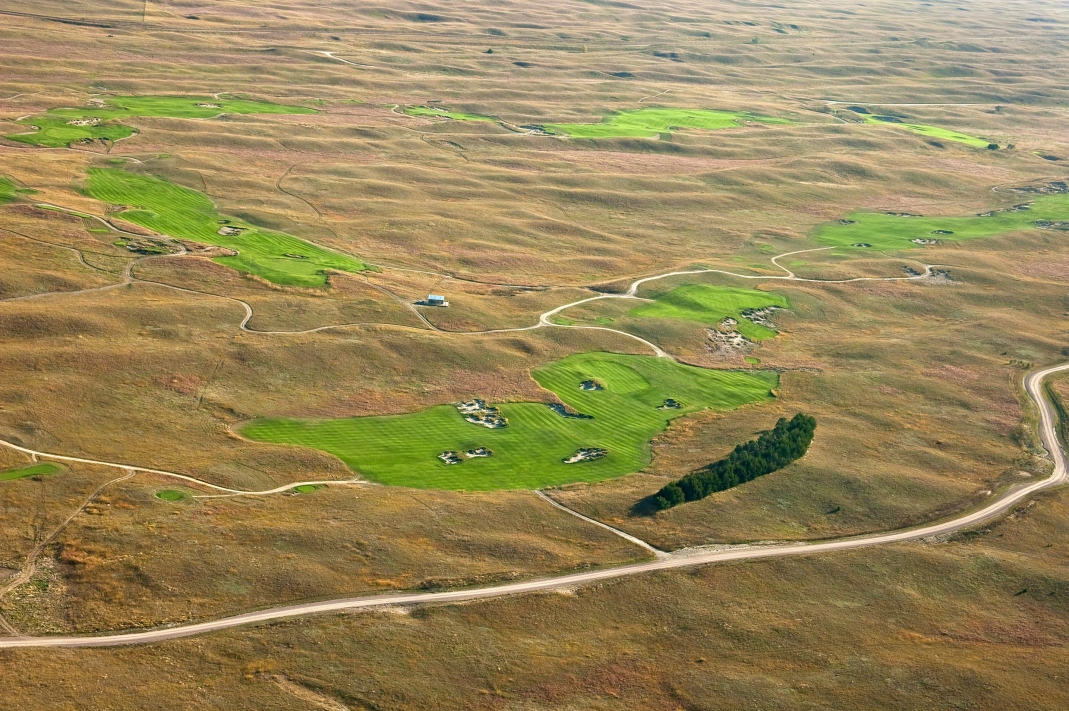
pixel 773 450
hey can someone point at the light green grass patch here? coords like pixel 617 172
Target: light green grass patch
pixel 8 190
pixel 187 214
pixel 402 450
pixel 307 488
pixel 885 231
pixel 39 469
pixel 650 123
pixel 712 304
pixel 932 131
pixel 443 113
pixel 55 130
pixel 171 495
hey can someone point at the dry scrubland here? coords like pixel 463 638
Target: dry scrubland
pixel 915 385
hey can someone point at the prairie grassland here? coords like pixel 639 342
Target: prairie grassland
pixel 915 385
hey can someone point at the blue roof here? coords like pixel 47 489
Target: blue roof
pixel 435 297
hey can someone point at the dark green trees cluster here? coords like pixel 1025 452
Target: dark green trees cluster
pixel 773 450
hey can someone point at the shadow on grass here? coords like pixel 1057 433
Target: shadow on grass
pixel 645 507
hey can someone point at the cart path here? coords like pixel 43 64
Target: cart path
pixel 1033 385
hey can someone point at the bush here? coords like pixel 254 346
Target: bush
pixel 787 441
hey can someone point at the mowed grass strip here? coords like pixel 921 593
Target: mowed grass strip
pixel 712 304
pixel 187 214
pixel 931 131
pixel 402 450
pixel 56 130
pixel 39 469
pixel 433 112
pixel 650 123
pixel 887 231
pixel 8 190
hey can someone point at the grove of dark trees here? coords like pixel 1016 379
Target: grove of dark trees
pixel 773 450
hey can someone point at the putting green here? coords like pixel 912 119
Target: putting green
pixel 888 231
pixel 443 113
pixel 306 488
pixel 187 214
pixel 61 127
pixel 170 495
pixel 933 131
pixel 650 123
pixel 402 450
pixel 712 304
pixel 40 468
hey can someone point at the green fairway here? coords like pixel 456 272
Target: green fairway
pixel 443 113
pixel 30 470
pixel 933 131
pixel 187 214
pixel 403 450
pixel 888 231
pixel 649 123
pixel 8 191
pixel 61 127
pixel 712 304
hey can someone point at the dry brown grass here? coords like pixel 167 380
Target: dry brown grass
pixel 915 387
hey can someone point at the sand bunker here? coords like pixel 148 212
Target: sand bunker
pixel 591 385
pixel 294 256
pixel 1055 187
pixel 565 411
pixel 942 232
pixel 586 454
pixel 864 245
pixel 478 412
pixel 1052 225
pixel 210 106
pixel 84 122
pixel 845 221
pixel 450 457
pixel 902 214
pixel 479 452
pixel 1016 208
pixel 670 404
pixel 227 231
pixel 759 316
pixel 939 277
pixel 925 241
pixel 727 343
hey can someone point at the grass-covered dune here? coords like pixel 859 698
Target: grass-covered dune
pixel 403 450
pixel 650 123
pixel 187 214
pixel 712 304
pixel 102 120
pixel 882 230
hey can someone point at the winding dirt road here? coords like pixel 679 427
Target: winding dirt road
pixel 1033 385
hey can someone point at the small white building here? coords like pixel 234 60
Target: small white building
pixel 436 300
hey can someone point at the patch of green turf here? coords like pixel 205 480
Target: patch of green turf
pixel 41 468
pixel 562 321
pixel 932 131
pixel 306 488
pixel 712 304
pixel 752 361
pixel 55 130
pixel 650 123
pixel 403 450
pixel 171 495
pixel 443 113
pixel 187 214
pixel 8 190
pixel 884 231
